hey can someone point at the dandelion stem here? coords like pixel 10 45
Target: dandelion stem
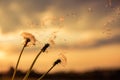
pixel 46 73
pixel 54 64
pixel 27 40
pixel 42 50
pixel 26 76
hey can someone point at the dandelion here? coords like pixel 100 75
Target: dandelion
pixel 54 64
pixel 42 50
pixel 61 60
pixel 45 47
pixel 29 38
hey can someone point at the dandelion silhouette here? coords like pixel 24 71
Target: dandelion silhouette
pixel 45 47
pixel 54 64
pixel 29 38
pixel 62 60
pixel 42 50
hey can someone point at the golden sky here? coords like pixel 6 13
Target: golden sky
pixel 87 32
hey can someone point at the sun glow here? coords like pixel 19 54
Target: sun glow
pixel 2 55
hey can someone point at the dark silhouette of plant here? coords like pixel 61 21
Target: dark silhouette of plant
pixel 29 38
pixel 42 50
pixel 54 64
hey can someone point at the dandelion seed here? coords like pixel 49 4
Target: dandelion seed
pixel 104 24
pixel 68 14
pixel 30 37
pixel 52 38
pixel 61 19
pixel 89 9
pixel 52 41
pixel 73 13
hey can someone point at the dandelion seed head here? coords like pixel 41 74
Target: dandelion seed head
pixel 57 62
pixel 45 47
pixel 28 36
pixel 63 59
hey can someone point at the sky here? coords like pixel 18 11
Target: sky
pixel 86 32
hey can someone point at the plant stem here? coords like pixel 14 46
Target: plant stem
pixel 27 74
pixel 19 59
pixel 42 50
pixel 46 73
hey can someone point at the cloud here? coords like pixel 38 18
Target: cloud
pixel 113 40
pixel 11 13
pixel 97 43
pixel 21 14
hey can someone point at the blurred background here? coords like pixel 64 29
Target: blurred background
pixel 86 32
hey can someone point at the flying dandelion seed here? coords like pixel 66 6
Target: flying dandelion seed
pixel 67 14
pixel 72 14
pixel 113 18
pixel 47 21
pixel 52 38
pixel 61 19
pixel 89 9
pixel 107 32
pixel 29 38
pixel 52 41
